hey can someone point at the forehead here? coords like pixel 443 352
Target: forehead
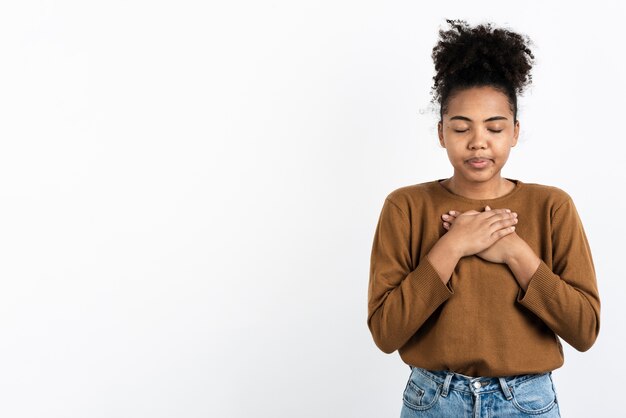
pixel 478 103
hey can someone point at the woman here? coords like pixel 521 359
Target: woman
pixel 474 278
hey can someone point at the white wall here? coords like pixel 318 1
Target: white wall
pixel 189 194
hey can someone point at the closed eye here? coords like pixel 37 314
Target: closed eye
pixel 490 130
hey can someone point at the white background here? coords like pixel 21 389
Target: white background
pixel 189 193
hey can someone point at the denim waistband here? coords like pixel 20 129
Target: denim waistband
pixel 451 380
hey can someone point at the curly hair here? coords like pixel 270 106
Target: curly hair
pixel 467 57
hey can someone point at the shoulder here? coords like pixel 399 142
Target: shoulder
pixel 553 196
pixel 407 198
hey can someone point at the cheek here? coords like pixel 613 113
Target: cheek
pixel 454 147
pixel 505 151
pixel 454 156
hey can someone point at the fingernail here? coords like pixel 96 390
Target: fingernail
pixel 508 210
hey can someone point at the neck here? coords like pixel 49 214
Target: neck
pixel 490 189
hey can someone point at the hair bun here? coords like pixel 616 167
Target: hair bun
pixel 482 55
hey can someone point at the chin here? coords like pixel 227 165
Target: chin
pixel 480 175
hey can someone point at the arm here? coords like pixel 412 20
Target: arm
pixel 523 262
pixel 565 297
pixel 444 257
pixel 400 298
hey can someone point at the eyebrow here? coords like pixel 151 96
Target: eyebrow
pixel 486 120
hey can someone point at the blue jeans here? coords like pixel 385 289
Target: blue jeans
pixel 431 393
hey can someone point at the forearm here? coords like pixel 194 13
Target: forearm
pixel 571 311
pixel 568 305
pixel 396 312
pixel 444 257
pixel 523 262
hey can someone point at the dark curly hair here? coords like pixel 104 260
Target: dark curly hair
pixel 467 57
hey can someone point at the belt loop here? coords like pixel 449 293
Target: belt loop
pixel 446 384
pixel 505 389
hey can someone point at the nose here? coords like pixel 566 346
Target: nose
pixel 478 141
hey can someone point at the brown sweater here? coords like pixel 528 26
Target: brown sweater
pixel 481 323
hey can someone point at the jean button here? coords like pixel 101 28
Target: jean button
pixel 477 384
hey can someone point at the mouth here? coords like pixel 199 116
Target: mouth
pixel 479 162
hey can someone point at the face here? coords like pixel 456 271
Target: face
pixel 478 124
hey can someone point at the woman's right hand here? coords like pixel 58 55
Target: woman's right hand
pixel 473 231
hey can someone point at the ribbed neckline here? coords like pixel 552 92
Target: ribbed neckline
pixel 440 187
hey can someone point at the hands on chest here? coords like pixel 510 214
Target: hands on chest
pixel 489 234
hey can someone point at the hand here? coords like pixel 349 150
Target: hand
pixel 489 234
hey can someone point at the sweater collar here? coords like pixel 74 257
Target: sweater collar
pixel 442 190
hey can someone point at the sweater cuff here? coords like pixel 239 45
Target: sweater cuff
pixel 541 289
pixel 428 285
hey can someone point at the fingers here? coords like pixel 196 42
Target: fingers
pixel 503 210
pixel 499 217
pixel 502 221
pixel 488 213
pixel 469 212
pixel 504 224
pixel 502 232
pixel 496 218
pixel 454 213
pixel 449 217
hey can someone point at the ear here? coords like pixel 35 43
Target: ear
pixel 440 134
pixel 515 133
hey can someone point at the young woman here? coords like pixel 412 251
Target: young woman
pixel 474 278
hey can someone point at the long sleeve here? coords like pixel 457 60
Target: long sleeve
pixel 566 297
pixel 400 299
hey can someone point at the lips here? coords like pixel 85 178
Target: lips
pixel 479 162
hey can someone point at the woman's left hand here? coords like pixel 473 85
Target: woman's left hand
pixel 500 251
